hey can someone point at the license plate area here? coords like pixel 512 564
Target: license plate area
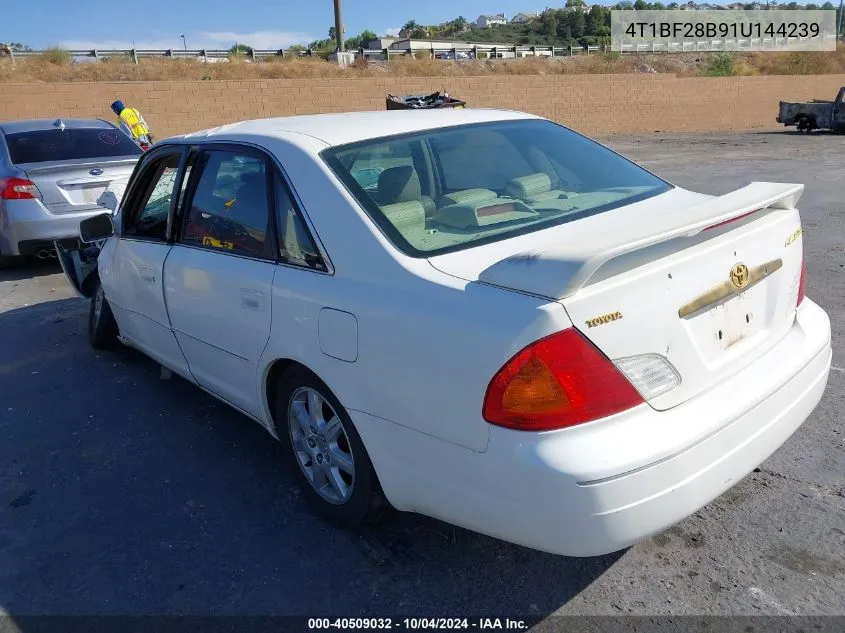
pixel 733 321
pixel 86 194
pixel 720 332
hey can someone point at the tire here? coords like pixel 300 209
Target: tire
pixel 805 124
pixel 332 466
pixel 102 328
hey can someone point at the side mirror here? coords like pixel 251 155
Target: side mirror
pixel 96 228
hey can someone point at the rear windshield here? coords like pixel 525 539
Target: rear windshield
pixel 69 144
pixel 452 188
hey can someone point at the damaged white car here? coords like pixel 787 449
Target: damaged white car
pixel 477 315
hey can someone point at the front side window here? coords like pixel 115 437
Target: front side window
pixel 229 211
pixel 462 186
pixel 148 217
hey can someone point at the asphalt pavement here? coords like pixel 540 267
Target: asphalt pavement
pixel 122 493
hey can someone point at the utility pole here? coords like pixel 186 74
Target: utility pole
pixel 338 26
pixel 839 22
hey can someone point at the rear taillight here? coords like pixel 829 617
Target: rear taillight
pixel 802 283
pixel 18 189
pixel 559 381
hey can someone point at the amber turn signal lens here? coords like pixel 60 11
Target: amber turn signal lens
pixel 533 390
pixel 559 381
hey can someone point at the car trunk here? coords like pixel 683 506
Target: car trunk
pixel 708 283
pixel 75 186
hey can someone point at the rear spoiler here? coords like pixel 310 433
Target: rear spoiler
pixel 575 266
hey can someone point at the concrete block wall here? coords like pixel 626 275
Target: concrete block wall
pixel 592 104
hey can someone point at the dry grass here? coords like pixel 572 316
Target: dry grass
pixel 56 67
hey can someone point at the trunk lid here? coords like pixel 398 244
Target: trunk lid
pixel 75 186
pixel 708 283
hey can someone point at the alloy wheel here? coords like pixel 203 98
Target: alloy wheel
pixel 321 445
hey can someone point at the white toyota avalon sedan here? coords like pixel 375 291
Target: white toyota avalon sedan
pixel 476 315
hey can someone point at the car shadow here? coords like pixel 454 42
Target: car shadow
pixel 797 133
pixel 29 267
pixel 128 494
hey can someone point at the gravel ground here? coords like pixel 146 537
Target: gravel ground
pixel 121 493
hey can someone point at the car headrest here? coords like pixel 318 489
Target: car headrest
pixel 399 184
pixel 528 186
pixel 467 196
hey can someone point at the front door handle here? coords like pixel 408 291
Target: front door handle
pixel 252 300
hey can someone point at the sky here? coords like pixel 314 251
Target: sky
pixel 82 24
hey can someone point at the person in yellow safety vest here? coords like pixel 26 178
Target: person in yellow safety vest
pixel 133 124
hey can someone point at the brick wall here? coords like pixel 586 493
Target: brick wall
pixel 593 104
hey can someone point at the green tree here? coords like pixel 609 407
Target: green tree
pixel 549 23
pixel 240 49
pixel 360 40
pixel 641 5
pixel 827 6
pixel 575 3
pixel 598 21
pixel 459 23
pixel 577 23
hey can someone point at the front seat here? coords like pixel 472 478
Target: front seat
pixel 402 184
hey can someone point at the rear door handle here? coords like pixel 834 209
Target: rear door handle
pixel 252 300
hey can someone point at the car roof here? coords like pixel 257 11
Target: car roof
pixel 33 125
pixel 351 127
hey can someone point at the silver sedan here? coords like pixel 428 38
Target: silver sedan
pixel 52 172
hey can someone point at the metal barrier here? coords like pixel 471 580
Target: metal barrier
pixel 136 54
pixel 474 51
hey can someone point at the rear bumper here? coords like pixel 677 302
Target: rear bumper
pixel 603 486
pixel 24 224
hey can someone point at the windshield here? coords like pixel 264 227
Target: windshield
pixel 40 146
pixel 453 188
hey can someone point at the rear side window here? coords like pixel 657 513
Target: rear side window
pixel 69 144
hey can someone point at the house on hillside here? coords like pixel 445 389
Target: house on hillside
pixel 584 8
pixel 736 6
pixel 486 21
pixel 524 18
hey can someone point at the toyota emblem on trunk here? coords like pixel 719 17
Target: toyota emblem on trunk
pixel 96 171
pixel 739 275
